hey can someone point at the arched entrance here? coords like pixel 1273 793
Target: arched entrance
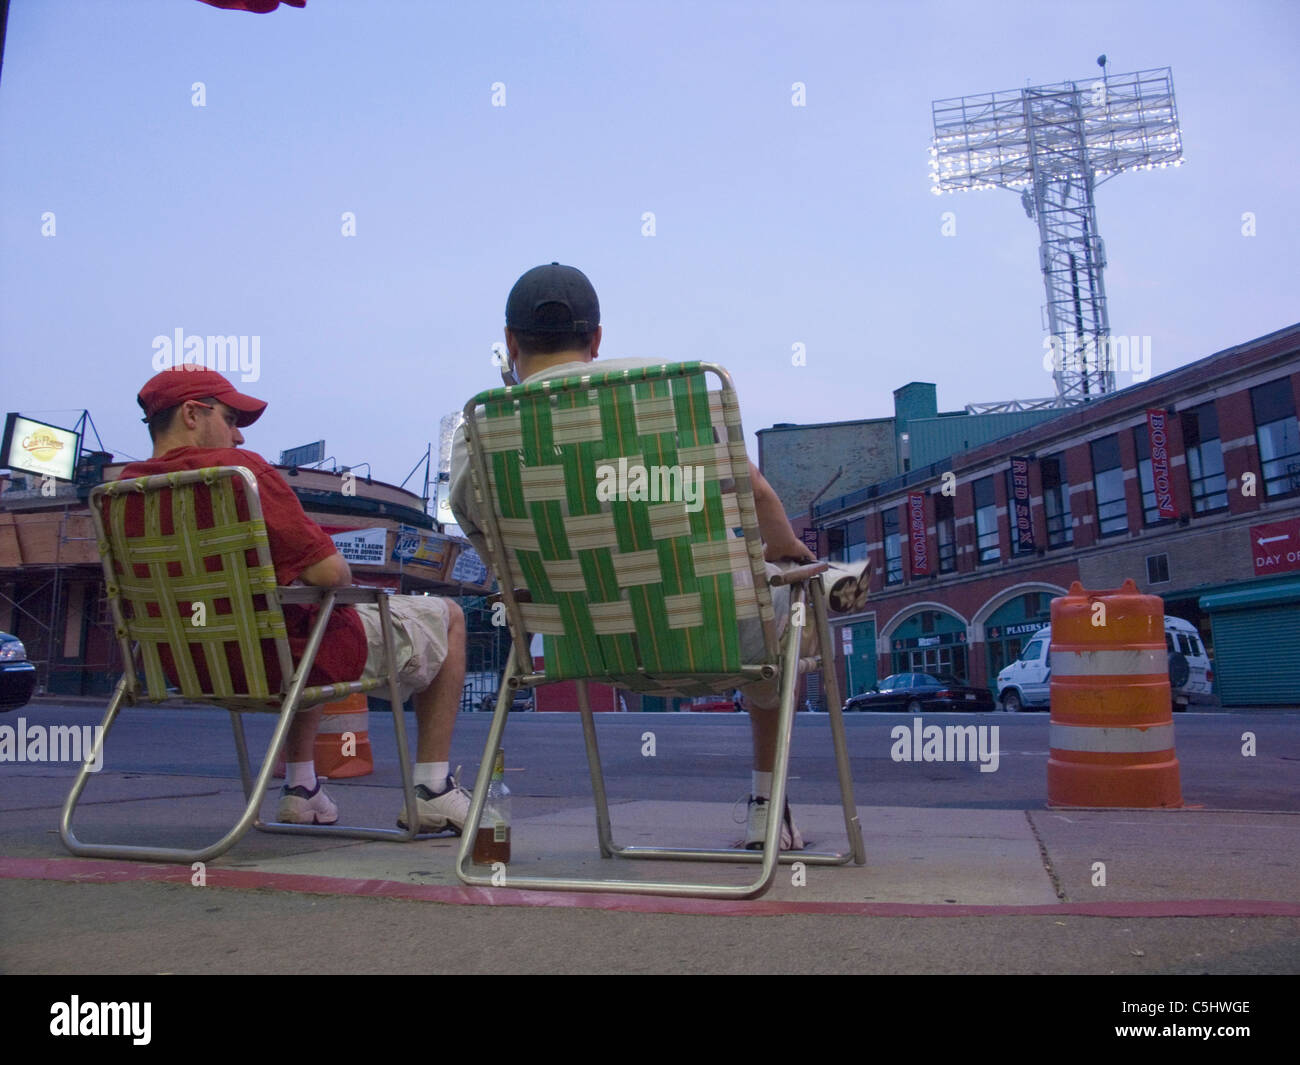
pixel 1009 621
pixel 928 638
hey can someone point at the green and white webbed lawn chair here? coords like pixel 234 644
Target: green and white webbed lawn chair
pixel 184 590
pixel 641 593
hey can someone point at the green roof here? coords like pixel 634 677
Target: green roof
pixel 932 439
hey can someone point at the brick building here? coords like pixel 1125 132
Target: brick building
pixel 1189 483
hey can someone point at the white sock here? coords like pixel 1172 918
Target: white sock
pixel 760 784
pixel 300 774
pixel 433 775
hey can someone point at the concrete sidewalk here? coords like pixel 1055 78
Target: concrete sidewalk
pixel 1009 861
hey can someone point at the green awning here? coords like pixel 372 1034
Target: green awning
pixel 1277 591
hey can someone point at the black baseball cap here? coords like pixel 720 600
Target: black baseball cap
pixel 553 299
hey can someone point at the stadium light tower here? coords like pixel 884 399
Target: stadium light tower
pixel 1055 144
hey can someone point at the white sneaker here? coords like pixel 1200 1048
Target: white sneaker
pixel 756 829
pixel 299 806
pixel 440 811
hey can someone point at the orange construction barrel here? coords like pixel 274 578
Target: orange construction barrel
pixel 343 740
pixel 1112 726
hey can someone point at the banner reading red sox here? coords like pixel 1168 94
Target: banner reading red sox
pixel 1158 435
pixel 1020 513
pixel 916 533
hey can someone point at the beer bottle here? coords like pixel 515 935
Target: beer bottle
pixel 492 843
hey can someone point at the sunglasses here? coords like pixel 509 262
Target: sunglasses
pixel 232 419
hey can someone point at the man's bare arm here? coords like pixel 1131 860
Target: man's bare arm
pixel 332 571
pixel 779 540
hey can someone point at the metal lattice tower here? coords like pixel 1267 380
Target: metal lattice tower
pixel 1056 143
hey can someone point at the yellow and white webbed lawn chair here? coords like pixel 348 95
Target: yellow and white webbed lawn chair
pixel 646 594
pixel 175 541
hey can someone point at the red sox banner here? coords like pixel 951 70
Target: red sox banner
pixel 1020 503
pixel 916 534
pixel 1158 435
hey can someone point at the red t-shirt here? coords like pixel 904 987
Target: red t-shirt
pixel 296 542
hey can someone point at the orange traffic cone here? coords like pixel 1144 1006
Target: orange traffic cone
pixel 1112 727
pixel 342 741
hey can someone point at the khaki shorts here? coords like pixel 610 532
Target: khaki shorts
pixel 766 694
pixel 419 637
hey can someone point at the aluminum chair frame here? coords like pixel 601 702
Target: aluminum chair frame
pixel 806 591
pixel 240 583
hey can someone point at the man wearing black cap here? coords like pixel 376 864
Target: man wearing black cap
pixel 553 330
pixel 195 416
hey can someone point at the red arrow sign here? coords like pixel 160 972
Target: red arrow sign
pixel 1275 547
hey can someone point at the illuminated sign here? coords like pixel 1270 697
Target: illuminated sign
pixel 35 447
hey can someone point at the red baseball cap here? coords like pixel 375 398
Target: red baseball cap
pixel 189 380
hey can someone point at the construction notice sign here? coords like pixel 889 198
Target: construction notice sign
pixel 1276 547
pixel 362 547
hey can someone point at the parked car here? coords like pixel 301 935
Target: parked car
pixel 523 700
pixel 915 692
pixel 1026 683
pixel 1191 674
pixel 709 704
pixel 17 675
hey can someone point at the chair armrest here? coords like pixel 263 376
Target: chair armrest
pixel 353 593
pixel 799 573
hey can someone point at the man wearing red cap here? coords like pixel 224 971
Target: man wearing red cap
pixel 195 416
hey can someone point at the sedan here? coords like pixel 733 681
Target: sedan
pixel 17 675
pixel 915 692
pixel 522 700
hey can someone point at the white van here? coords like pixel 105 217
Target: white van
pixel 1026 683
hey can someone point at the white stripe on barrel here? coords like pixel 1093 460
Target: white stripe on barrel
pixel 340 723
pixel 1111 663
pixel 1111 740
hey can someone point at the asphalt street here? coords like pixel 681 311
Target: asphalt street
pixel 706 757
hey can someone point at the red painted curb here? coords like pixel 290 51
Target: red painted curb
pixel 89 871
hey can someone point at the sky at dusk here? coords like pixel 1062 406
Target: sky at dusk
pixel 656 146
